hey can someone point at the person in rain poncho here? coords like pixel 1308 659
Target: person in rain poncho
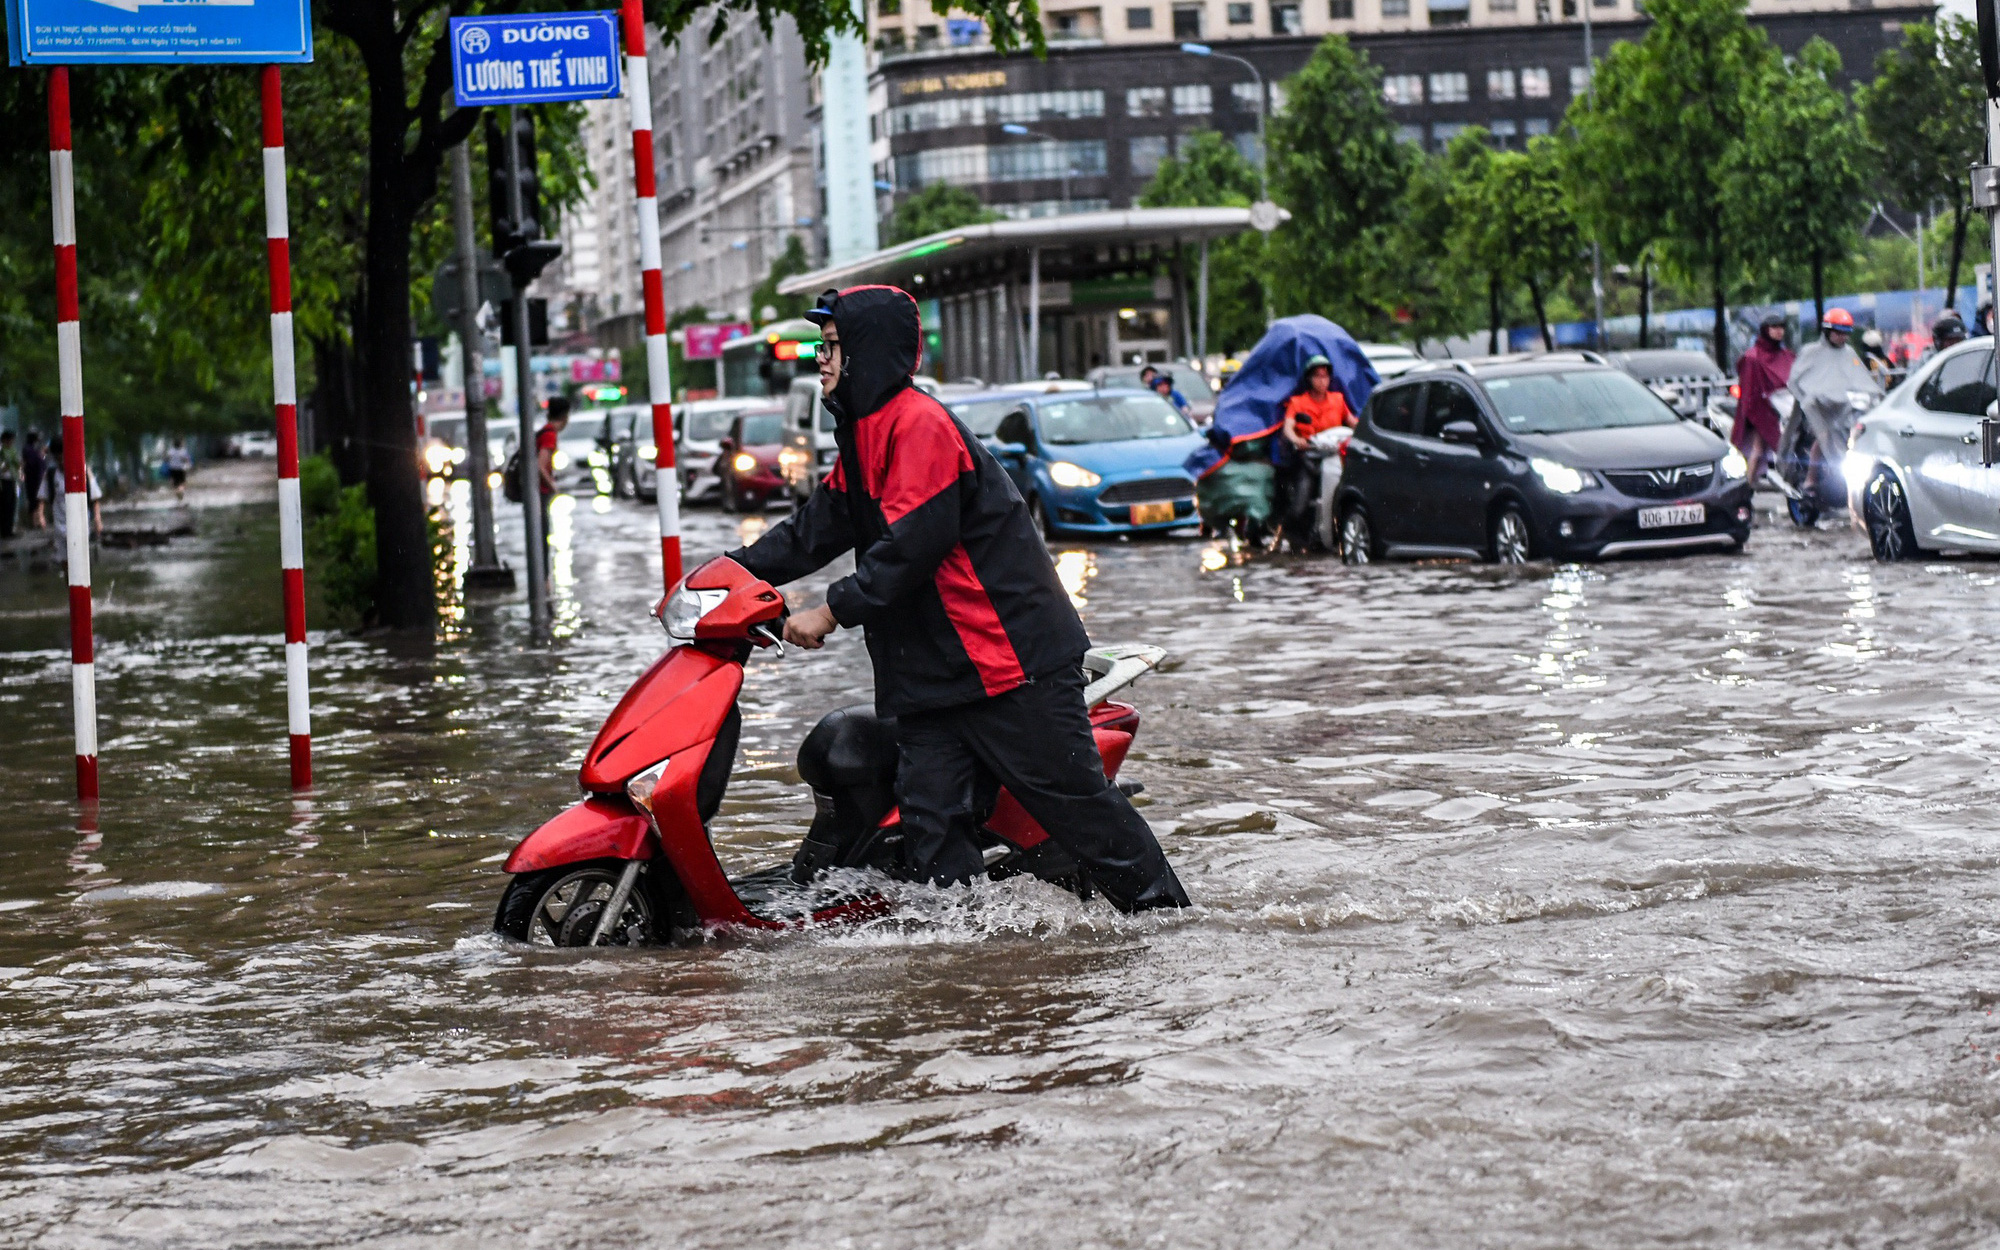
pixel 1832 387
pixel 1760 374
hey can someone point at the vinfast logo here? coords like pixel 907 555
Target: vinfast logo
pixel 542 34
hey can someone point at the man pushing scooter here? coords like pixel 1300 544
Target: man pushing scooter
pixel 976 648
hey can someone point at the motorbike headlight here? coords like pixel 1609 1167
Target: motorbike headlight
pixel 640 788
pixel 686 607
pixel 1856 467
pixel 1559 477
pixel 744 463
pixel 648 453
pixel 1734 466
pixel 1063 473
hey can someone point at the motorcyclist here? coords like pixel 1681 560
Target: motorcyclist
pixel 1832 387
pixel 1761 373
pixel 1946 332
pixel 1317 406
pixel 976 648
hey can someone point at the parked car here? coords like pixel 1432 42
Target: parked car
pixel 748 463
pixel 1912 464
pixel 1559 456
pixel 444 447
pixel 1690 382
pixel 1188 380
pixel 1391 359
pixel 699 428
pixel 1096 462
pixel 255 443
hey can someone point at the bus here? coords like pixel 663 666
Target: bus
pixel 762 365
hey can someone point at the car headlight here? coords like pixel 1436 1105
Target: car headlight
pixel 686 607
pixel 437 456
pixel 458 455
pixel 1063 473
pixel 744 463
pixel 791 457
pixel 640 788
pixel 1559 477
pixel 1856 468
pixel 598 459
pixel 559 460
pixel 648 453
pixel 1734 466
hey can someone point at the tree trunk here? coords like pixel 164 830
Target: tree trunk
pixel 403 593
pixel 1493 314
pixel 336 407
pixel 1721 313
pixel 1645 296
pixel 1819 287
pixel 1959 216
pixel 1541 315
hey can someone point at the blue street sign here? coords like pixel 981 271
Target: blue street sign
pixel 537 58
pixel 157 32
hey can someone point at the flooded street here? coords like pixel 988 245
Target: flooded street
pixel 1655 903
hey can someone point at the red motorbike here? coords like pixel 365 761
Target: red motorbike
pixel 633 862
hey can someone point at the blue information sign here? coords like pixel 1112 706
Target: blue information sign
pixel 536 58
pixel 158 32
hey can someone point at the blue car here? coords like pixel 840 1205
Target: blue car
pixel 1090 462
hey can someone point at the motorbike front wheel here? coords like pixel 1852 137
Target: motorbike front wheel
pixel 561 906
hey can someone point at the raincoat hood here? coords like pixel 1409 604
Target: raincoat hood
pixel 881 345
pixel 1253 404
pixel 1823 375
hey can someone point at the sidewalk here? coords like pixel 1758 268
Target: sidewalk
pixel 153 516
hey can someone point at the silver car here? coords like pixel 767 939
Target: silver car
pixel 1912 465
pixel 701 424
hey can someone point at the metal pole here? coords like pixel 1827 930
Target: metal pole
pixel 486 567
pixel 1201 309
pixel 76 479
pixel 1596 252
pixel 1993 222
pixel 285 402
pixel 659 385
pixel 524 381
pixel 1034 313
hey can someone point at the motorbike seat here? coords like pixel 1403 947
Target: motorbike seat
pixel 851 746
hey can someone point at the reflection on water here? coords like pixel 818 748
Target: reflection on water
pixel 1531 903
pixel 567 612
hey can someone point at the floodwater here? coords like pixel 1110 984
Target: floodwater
pixel 1647 904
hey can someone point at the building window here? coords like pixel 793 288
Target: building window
pixel 1285 19
pixel 1193 100
pixel 1245 96
pixel 977 163
pixel 1449 89
pixel 889 8
pixel 1410 134
pixel 1502 131
pixel 1247 148
pixel 1534 84
pixel 1499 6
pixel 1138 19
pixel 1444 132
pixel 1535 126
pixel 1403 88
pixel 1499 84
pixel 1340 10
pixel 1147 153
pixel 927 37
pixel 1579 79
pixel 1187 21
pixel 1395 8
pixel 1240 15
pixel 891 40
pixel 1146 101
pixel 994 110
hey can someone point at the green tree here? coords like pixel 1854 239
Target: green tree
pixel 939 206
pixel 1336 163
pixel 1211 173
pixel 1926 116
pixel 1647 163
pixel 1793 182
pixel 1433 289
pixel 1518 223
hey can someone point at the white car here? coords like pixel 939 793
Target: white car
pixel 1391 360
pixel 259 443
pixel 701 427
pixel 1912 464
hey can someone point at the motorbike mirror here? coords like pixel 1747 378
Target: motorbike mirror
pixel 1010 450
pixel 1459 432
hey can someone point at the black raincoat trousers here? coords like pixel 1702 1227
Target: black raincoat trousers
pixel 976 648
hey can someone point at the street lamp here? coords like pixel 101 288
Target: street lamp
pixel 1202 49
pixel 1022 132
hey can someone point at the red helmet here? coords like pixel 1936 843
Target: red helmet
pixel 1838 319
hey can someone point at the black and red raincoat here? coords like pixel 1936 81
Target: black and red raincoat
pixel 951 583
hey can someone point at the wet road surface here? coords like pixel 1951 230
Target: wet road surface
pixel 1646 904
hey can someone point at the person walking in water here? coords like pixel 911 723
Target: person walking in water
pixel 178 464
pixel 10 483
pixel 1761 373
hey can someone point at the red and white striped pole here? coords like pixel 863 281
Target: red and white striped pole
pixel 666 482
pixel 76 477
pixel 284 388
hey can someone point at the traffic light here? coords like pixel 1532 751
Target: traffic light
pixel 510 232
pixel 538 323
